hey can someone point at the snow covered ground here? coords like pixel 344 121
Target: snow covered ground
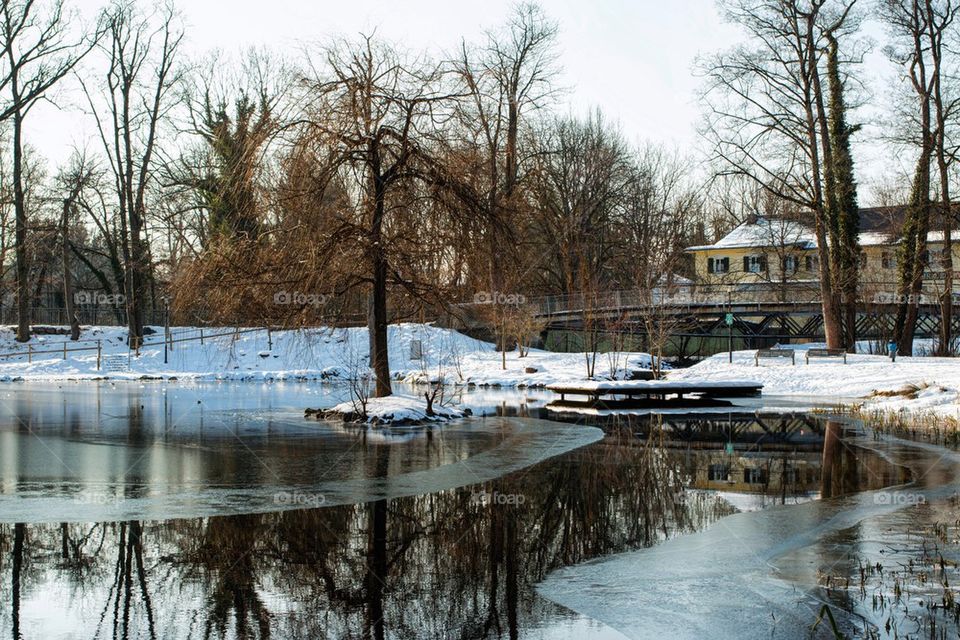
pixel 917 384
pixel 302 355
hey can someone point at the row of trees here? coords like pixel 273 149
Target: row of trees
pixel 362 182
pixel 365 183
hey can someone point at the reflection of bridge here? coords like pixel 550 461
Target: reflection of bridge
pixel 771 312
pixel 713 430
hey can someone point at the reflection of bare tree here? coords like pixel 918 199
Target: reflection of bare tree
pixel 18 535
pixel 434 565
pixel 227 555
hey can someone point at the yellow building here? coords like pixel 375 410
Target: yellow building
pixel 774 259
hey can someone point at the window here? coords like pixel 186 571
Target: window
pixel 754 264
pixel 789 264
pixel 718 472
pixel 812 263
pixel 718 265
pixel 755 476
pixel 863 259
pixel 888 260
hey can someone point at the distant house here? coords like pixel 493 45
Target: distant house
pixel 770 255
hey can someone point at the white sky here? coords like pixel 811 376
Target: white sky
pixel 631 58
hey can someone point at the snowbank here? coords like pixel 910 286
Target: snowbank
pixel 394 410
pixel 910 384
pixel 418 354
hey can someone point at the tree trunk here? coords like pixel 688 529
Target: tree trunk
pixel 817 135
pixel 67 277
pixel 378 259
pixel 913 246
pixel 19 534
pixel 20 209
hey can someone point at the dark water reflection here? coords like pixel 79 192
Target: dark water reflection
pixel 458 563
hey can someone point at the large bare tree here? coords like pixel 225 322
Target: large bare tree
pixel 768 117
pixel 505 79
pixel 374 111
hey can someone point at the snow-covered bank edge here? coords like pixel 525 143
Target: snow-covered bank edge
pixel 395 410
pixel 911 386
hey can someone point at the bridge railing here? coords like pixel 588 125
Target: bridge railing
pixel 678 297
pixel 726 295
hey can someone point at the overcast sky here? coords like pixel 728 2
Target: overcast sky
pixel 631 58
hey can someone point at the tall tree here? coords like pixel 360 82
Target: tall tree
pixel 39 49
pixel 843 210
pixel 917 29
pixel 142 74
pixel 768 119
pixel 374 111
pixel 509 76
pixel 234 114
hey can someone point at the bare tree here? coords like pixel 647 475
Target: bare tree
pixel 73 181
pixel 509 76
pixel 374 110
pixel 39 50
pixel 917 30
pixel 767 115
pixel 141 77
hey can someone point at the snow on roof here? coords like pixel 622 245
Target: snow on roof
pixel 777 232
pixel 765 232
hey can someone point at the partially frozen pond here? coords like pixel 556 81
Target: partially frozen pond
pixel 216 510
pixel 79 452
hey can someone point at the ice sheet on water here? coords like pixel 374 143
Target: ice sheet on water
pixel 70 455
pixel 721 582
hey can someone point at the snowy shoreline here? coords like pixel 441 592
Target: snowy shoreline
pixel 914 385
pixel 424 354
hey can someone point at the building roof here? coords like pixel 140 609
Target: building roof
pixel 764 232
pixel 879 226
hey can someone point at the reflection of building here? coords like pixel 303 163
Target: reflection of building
pixel 765 255
pixel 756 472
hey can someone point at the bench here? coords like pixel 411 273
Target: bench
pixel 773 353
pixel 826 353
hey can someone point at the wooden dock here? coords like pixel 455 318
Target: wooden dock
pixel 612 394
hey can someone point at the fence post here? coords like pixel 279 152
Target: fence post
pixel 201 335
pixel 64 349
pixel 29 352
pixel 99 348
pixel 269 339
